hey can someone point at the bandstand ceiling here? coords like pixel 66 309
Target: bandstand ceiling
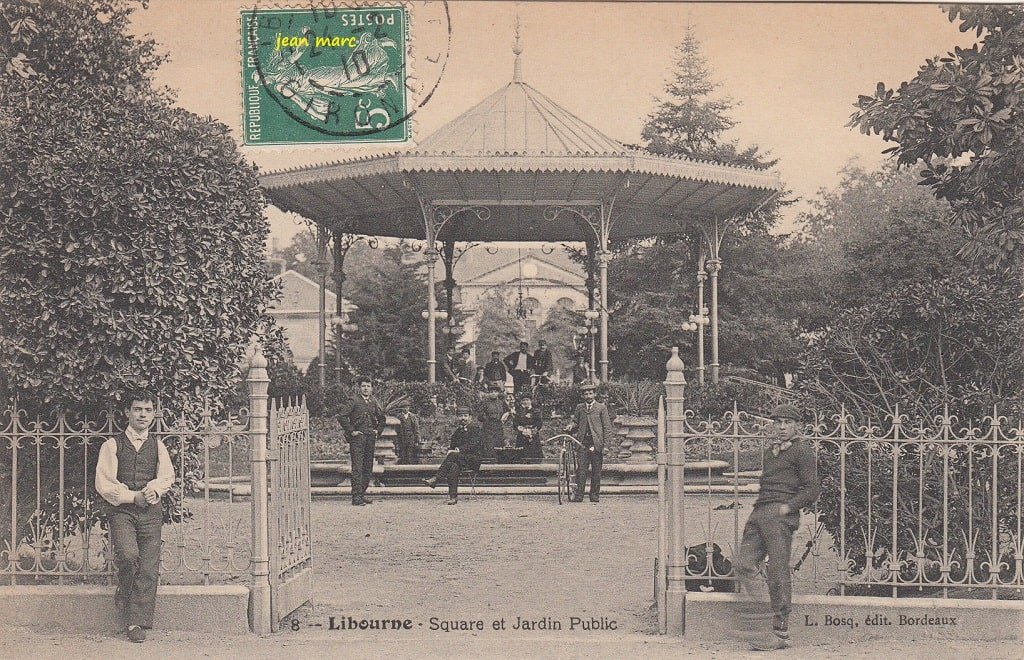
pixel 520 155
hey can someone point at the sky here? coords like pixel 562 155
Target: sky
pixel 796 70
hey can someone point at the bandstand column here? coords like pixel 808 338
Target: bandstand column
pixel 602 259
pixel 714 266
pixel 431 313
pixel 323 242
pixel 702 277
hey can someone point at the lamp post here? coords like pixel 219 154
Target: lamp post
pixel 427 315
pixel 697 323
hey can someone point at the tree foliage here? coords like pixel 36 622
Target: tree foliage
pixel 132 237
pixel 391 337
pixel 498 328
pixel 962 116
pixel 653 283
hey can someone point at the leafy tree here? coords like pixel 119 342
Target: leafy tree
pixel 872 234
pixel 653 283
pixel 498 328
pixel 131 237
pixel 962 116
pixel 558 329
pixel 391 336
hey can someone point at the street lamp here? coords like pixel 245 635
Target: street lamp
pixel 589 328
pixel 697 323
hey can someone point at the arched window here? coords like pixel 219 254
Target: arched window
pixel 532 307
pixel 566 303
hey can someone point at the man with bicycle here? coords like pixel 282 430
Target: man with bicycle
pixel 592 426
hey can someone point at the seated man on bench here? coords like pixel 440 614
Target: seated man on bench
pixel 464 453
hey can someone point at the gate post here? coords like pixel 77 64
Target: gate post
pixel 675 413
pixel 259 593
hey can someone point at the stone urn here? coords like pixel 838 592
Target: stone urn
pixel 384 451
pixel 639 435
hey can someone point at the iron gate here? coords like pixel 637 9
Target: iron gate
pixel 291 557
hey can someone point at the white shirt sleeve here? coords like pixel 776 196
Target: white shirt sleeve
pixel 107 484
pixel 164 471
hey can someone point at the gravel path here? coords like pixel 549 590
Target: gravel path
pixel 487 559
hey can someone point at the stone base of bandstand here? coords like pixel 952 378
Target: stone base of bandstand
pixel 90 609
pixel 831 619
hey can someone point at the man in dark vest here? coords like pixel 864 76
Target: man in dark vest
pixel 363 420
pixel 133 473
pixel 593 427
pixel 464 453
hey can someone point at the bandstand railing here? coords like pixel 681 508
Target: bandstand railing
pixel 907 508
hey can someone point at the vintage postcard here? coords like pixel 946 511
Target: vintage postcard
pixel 427 328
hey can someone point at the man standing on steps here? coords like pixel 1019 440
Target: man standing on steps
pixel 363 420
pixel 133 472
pixel 789 482
pixel 592 425
pixel 520 365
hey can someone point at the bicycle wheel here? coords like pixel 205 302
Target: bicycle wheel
pixel 564 475
pixel 571 468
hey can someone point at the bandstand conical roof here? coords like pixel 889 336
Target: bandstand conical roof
pixel 519 154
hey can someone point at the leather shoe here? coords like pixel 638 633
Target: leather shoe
pixel 452 500
pixel 431 482
pixel 358 503
pixel 136 634
pixel 595 499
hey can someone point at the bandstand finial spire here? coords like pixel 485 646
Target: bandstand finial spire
pixel 517 48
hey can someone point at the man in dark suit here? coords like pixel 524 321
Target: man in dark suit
pixel 543 363
pixel 464 453
pixel 363 420
pixel 592 425
pixel 520 365
pixel 494 371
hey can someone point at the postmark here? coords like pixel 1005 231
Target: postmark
pixel 325 75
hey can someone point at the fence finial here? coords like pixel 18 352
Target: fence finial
pixel 674 368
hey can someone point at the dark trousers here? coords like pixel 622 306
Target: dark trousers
pixel 520 381
pixel 135 539
pixel 361 448
pixel 449 471
pixel 589 465
pixel 768 534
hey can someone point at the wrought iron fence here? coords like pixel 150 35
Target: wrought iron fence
pixel 52 522
pixel 906 509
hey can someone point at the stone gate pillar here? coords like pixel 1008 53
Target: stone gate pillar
pixel 259 593
pixel 675 409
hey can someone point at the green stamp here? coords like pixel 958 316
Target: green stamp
pixel 324 76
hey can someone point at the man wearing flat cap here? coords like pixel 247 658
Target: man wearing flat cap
pixel 464 453
pixel 592 425
pixel 789 482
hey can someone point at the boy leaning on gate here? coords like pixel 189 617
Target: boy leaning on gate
pixel 789 482
pixel 133 473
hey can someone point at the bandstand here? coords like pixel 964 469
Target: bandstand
pixel 519 167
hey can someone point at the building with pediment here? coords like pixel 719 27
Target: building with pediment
pixel 544 280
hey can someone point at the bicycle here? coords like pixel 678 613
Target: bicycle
pixel 567 465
